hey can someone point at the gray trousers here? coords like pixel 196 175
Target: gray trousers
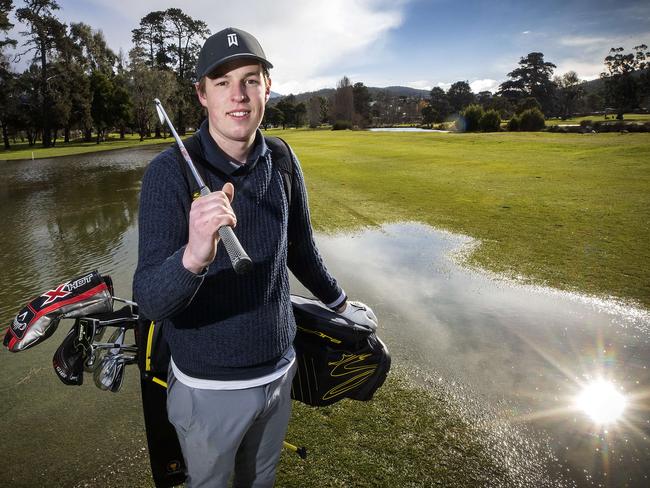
pixel 226 431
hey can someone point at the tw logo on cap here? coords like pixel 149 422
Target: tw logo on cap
pixel 232 40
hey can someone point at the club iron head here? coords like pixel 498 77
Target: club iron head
pixel 109 372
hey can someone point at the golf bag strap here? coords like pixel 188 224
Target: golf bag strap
pixel 281 157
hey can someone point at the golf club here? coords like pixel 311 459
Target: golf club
pixel 238 257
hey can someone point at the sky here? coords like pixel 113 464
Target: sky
pixel 418 43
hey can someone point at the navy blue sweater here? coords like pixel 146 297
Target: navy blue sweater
pixel 221 325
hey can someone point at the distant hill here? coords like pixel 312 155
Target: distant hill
pixel 398 91
pixel 404 91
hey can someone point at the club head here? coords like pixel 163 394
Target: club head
pixel 68 360
pixel 109 374
pixel 109 368
pixel 161 115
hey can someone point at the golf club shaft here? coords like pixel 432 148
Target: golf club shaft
pixel 241 263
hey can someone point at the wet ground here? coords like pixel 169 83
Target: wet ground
pixel 526 352
pixel 511 358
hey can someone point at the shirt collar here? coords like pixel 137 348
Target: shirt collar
pixel 220 160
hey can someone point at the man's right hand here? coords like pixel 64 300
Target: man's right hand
pixel 207 215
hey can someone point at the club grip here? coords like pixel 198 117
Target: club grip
pixel 240 261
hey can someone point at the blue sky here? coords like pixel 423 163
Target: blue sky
pixel 419 43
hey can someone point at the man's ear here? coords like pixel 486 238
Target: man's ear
pixel 200 95
pixel 267 94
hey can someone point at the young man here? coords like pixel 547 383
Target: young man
pixel 230 335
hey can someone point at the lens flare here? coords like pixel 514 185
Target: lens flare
pixel 602 402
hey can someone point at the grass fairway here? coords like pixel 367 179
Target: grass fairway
pixel 567 210
pixel 407 436
pixel 113 141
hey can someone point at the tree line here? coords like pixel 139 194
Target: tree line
pixel 532 88
pixel 77 87
pixel 530 95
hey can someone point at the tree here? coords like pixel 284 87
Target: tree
pixel 502 105
pixel 273 116
pixel 150 37
pixel 622 89
pixel 490 121
pixel 569 91
pixel 361 103
pixel 185 35
pixel 593 102
pixel 470 118
pixel 439 105
pixel 300 114
pixel 145 84
pixel 100 109
pixel 531 79
pixel 121 105
pixel 5 24
pixel 92 52
pixel 526 104
pixel 531 120
pixel 484 98
pixel 44 32
pixel 314 113
pixel 288 108
pixel 343 103
pixel 460 96
pixel 28 105
pixel 7 95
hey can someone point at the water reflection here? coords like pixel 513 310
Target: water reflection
pixel 529 350
pixel 64 216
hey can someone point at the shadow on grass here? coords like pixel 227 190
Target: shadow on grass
pixel 409 435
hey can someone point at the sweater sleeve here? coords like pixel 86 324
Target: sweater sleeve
pixel 161 284
pixel 304 260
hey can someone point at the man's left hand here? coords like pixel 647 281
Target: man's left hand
pixel 360 313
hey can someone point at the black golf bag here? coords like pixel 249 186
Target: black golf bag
pixel 336 358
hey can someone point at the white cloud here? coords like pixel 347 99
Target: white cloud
pixel 484 85
pixel 526 32
pixel 582 41
pixel 303 39
pixel 420 84
pixel 476 85
pixel 586 54
pixel 586 70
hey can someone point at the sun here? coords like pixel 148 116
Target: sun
pixel 602 402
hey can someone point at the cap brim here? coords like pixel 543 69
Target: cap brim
pixel 227 59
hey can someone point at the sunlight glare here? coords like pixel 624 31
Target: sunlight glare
pixel 601 402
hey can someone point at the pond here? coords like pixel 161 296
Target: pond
pixel 519 356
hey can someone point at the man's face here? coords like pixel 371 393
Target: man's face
pixel 235 100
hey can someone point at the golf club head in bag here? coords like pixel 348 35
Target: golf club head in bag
pixel 84 295
pixel 68 360
pixel 109 372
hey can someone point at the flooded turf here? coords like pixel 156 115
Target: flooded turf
pixel 516 355
pixel 508 359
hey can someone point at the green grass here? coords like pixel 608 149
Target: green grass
pixel 407 436
pixel 567 210
pixel 597 118
pixel 24 151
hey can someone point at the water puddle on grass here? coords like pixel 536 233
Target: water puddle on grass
pixel 571 370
